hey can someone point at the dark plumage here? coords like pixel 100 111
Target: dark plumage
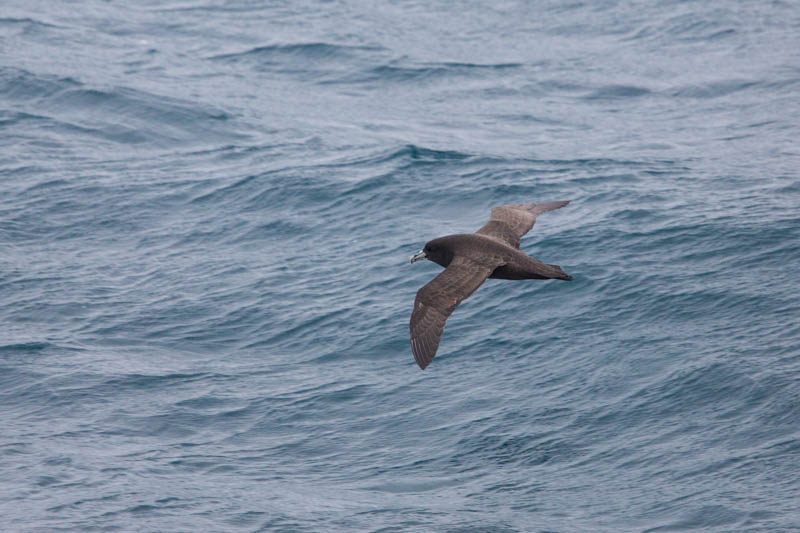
pixel 491 252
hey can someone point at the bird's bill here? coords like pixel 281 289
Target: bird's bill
pixel 417 256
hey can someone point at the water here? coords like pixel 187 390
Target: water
pixel 206 213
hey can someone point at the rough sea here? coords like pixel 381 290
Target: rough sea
pixel 207 210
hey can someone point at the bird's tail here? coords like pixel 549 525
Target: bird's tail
pixel 558 273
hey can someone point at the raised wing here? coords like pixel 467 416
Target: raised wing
pixel 510 222
pixel 436 300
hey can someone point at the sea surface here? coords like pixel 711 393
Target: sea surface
pixel 207 210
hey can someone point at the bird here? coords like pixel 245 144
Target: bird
pixel 468 259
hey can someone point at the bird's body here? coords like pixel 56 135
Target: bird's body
pixel 469 258
pixel 506 262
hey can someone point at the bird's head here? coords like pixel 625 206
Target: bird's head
pixel 437 251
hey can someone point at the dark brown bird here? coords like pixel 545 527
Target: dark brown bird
pixel 469 258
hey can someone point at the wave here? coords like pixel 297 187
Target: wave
pixel 119 115
pixel 315 51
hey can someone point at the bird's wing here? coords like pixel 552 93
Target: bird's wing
pixel 436 300
pixel 509 223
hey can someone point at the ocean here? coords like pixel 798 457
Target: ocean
pixel 207 210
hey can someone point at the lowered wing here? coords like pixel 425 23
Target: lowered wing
pixel 437 300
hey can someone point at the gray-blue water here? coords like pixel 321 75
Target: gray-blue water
pixel 206 214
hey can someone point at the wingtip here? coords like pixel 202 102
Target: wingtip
pixel 541 207
pixel 421 362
